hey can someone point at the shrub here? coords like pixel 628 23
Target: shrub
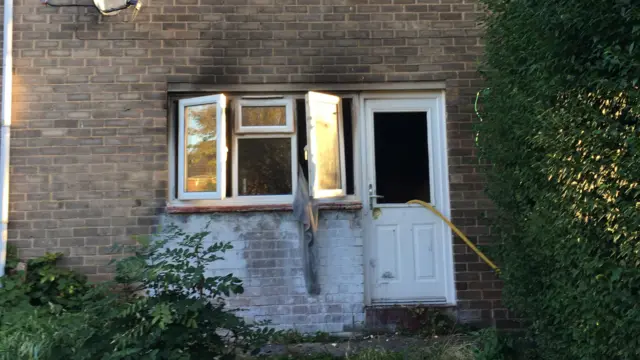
pixel 39 309
pixel 174 310
pixel 431 322
pixel 162 305
pixel 44 283
pixel 47 333
pixel 493 345
pixel 561 131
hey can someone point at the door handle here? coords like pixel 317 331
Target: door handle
pixel 373 196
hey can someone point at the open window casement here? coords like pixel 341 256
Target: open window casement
pixel 325 151
pixel 202 150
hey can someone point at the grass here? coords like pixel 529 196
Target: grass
pixel 436 351
pixel 294 337
pixel 437 336
pixel 452 348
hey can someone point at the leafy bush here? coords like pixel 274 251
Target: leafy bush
pixel 162 305
pixel 492 345
pixel 47 333
pixel 43 284
pixel 181 313
pixel 40 305
pixel 431 322
pixel 562 134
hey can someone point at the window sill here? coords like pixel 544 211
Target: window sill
pixel 199 209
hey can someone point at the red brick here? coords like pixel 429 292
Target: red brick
pixel 92 100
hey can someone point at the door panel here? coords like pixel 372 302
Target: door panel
pixel 424 252
pixel 388 246
pixel 410 257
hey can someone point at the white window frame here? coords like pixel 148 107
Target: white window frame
pixel 286 102
pixel 229 199
pixel 221 148
pixel 264 132
pixel 265 199
pixel 312 154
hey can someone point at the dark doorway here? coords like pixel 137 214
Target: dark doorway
pixel 402 156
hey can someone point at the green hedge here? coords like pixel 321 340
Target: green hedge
pixel 561 130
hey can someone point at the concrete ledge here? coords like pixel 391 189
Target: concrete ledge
pixel 185 209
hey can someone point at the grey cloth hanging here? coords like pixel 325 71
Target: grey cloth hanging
pixel 305 210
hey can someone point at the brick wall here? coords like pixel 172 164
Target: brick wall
pixel 267 256
pixel 89 154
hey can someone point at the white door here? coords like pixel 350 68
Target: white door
pixel 408 247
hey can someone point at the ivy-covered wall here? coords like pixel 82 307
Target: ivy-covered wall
pixel 560 128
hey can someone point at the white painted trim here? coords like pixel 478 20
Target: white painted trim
pixel 231 202
pixel 5 133
pixel 404 105
pixel 289 122
pixel 356 145
pixel 355 142
pixel 221 147
pixel 172 191
pixel 445 207
pixel 264 199
pixel 439 171
pixel 365 213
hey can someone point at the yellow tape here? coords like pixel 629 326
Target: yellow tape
pixel 460 234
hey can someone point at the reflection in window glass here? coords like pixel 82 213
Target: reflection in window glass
pixel 264 116
pixel 264 166
pixel 328 146
pixel 201 140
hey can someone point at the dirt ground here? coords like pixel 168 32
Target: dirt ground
pixel 353 345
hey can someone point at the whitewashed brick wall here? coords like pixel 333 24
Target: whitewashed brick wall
pixel 268 258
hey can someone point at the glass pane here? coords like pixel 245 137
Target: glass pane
pixel 347 127
pixel 328 146
pixel 201 140
pixel 264 116
pixel 402 156
pixel 264 166
pixel 347 137
pixel 301 133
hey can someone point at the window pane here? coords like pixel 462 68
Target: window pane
pixel 201 161
pixel 328 146
pixel 264 116
pixel 264 166
pixel 347 137
pixel 347 124
pixel 402 156
pixel 301 133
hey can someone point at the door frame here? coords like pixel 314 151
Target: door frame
pixel 438 134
